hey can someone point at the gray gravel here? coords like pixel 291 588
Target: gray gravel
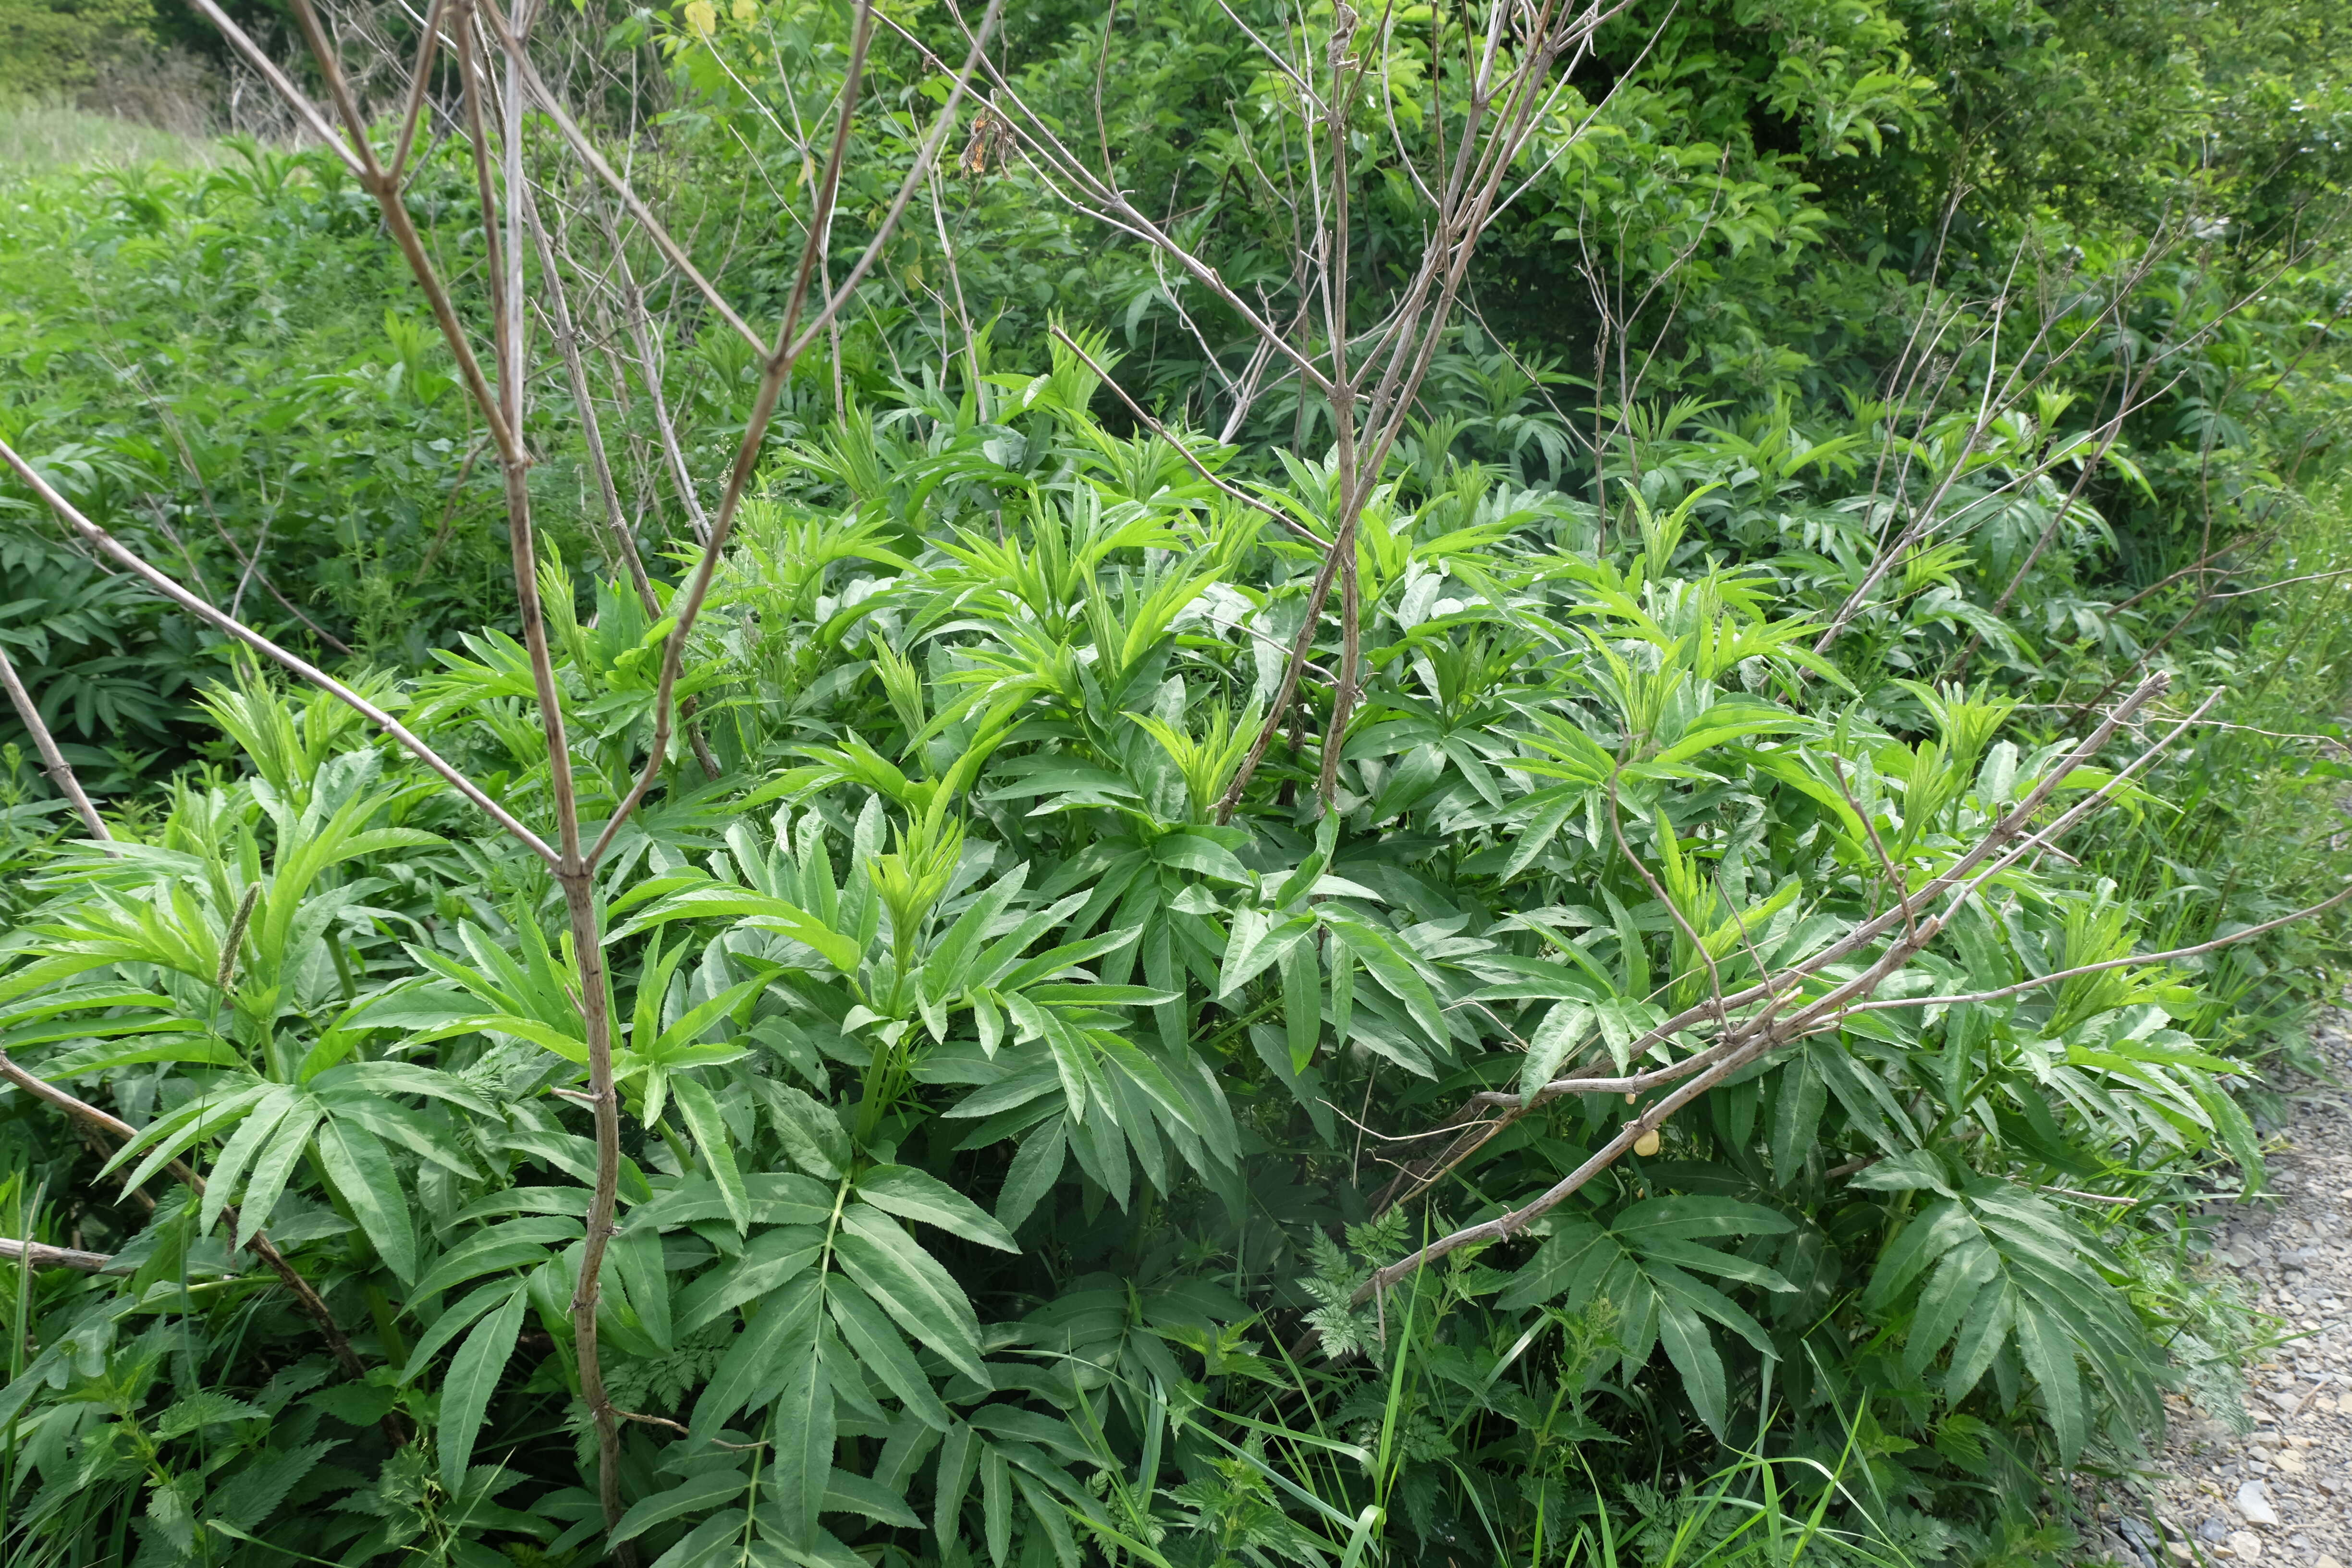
pixel 2279 1493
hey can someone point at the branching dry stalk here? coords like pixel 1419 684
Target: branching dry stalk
pixel 53 761
pixel 1781 1013
pixel 1511 90
pixel 261 1247
pixel 510 225
pixel 40 1255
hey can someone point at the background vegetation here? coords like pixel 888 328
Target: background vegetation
pixel 1861 403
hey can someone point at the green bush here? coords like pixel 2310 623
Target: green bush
pixel 995 1109
pixel 1017 1112
pixel 49 47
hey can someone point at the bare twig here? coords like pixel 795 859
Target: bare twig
pixel 39 1255
pixel 53 761
pixel 107 545
pixel 259 1246
pixel 1747 1040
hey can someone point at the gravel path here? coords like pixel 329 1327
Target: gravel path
pixel 2281 1493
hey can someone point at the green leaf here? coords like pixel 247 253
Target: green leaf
pixel 1385 963
pixel 273 1169
pixel 913 1195
pixel 562 1042
pixel 1633 957
pixel 1983 1327
pixel 364 1177
pixel 719 902
pixel 1688 1217
pixel 1069 955
pixel 510 1244
pixel 1254 945
pixel 1570 1263
pixel 1799 1098
pixel 473 1376
pixel 772 1258
pixel 692 1024
pixel 402 1078
pixel 958 1455
pixel 1302 1004
pixel 847 1493
pixel 909 1285
pixel 1683 1335
pixel 803 1431
pixel 165 1138
pixel 2049 1351
pixel 239 1151
pixel 1194 852
pixel 1561 1033
pixel 205 1407
pixel 715 1144
pixel 1923 1239
pixel 1036 1166
pixel 712 1488
pixel 881 1351
pixel 451 1323
pixel 759 1358
pixel 811 1135
pixel 1945 1300
pixel 1907 1171
pixel 947 969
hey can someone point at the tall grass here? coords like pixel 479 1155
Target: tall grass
pixel 44 138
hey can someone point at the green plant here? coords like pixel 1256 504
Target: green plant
pixel 1494 968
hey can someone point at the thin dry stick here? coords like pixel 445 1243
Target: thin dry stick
pixel 2133 960
pixel 649 370
pixel 107 545
pixel 688 604
pixel 261 1247
pixel 1176 443
pixel 53 761
pixel 567 340
pixel 1749 1042
pixel 39 1255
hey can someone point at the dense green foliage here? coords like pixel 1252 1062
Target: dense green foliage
pixel 1008 1134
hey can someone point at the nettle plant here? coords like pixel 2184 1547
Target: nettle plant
pixel 1135 1014
pixel 1019 1153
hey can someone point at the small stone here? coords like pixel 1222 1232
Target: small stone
pixel 2213 1531
pixel 2254 1506
pixel 2245 1546
pixel 2177 1550
pixel 2291 1462
pixel 2327 1562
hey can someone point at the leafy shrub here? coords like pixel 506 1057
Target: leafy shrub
pixel 994 1110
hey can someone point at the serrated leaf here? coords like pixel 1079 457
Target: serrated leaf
pixel 712 1488
pixel 803 1435
pixel 881 1351
pixel 2049 1351
pixel 1683 1335
pixel 1302 1004
pixel 1561 1033
pixel 1799 1098
pixel 914 1195
pixel 808 1131
pixel 1036 1166
pixel 364 1177
pixel 715 1144
pixel 240 1148
pixel 473 1377
pixel 909 1284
